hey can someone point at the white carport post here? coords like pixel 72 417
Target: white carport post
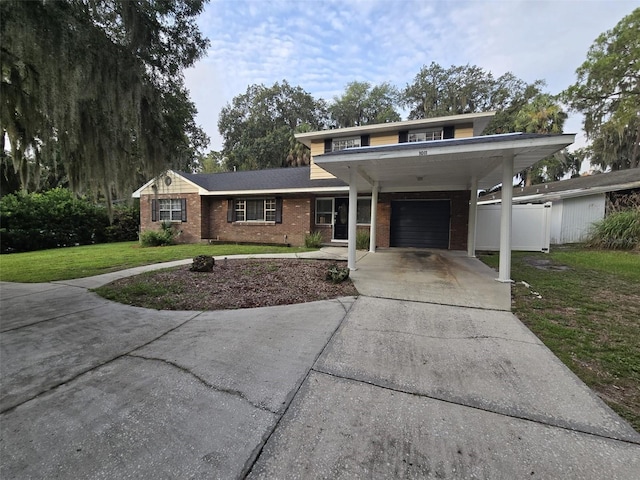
pixel 504 272
pixel 473 215
pixel 353 218
pixel 374 218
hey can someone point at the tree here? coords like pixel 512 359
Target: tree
pixel 519 106
pixel 212 162
pixel 542 114
pixel 437 91
pixel 361 104
pixel 258 126
pixel 607 92
pixel 98 84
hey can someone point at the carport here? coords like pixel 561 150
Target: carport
pixel 442 165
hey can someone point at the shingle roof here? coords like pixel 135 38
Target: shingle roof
pixel 271 179
pixel 620 180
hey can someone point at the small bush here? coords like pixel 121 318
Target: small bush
pixel 313 240
pixel 125 225
pixel 618 231
pixel 337 274
pixel 159 238
pixel 362 240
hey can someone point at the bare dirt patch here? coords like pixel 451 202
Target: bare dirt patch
pixel 232 284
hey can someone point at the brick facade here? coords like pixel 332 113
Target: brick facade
pixel 207 219
pixel 296 223
pixel 190 231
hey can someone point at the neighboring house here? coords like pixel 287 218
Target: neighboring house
pixel 576 203
pixel 409 183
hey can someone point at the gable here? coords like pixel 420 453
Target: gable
pixel 168 183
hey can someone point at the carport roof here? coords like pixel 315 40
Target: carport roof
pixel 441 164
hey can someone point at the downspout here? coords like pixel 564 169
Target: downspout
pixel 473 215
pixel 504 272
pixel 374 217
pixel 353 214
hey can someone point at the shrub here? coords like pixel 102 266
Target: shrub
pixel 618 231
pixel 362 240
pixel 159 238
pixel 337 274
pixel 313 240
pixel 56 218
pixel 125 225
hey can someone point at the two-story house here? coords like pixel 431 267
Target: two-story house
pixel 410 184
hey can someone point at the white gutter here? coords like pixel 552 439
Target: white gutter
pixel 208 193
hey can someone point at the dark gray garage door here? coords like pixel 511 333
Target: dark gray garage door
pixel 420 223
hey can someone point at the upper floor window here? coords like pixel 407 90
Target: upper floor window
pixel 425 135
pixel 342 143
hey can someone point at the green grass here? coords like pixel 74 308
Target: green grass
pixel 86 261
pixel 589 316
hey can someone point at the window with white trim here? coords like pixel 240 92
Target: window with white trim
pixel 255 210
pixel 170 210
pixel 343 143
pixel 324 211
pixel 425 135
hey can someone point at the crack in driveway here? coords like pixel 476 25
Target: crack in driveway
pixel 235 393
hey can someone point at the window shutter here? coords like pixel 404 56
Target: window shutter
pixel 184 209
pixel 327 145
pixel 278 209
pixel 230 210
pixel 403 137
pixel 364 140
pixel 154 210
pixel 448 132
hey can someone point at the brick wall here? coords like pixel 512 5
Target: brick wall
pixel 191 230
pixel 296 223
pixel 208 220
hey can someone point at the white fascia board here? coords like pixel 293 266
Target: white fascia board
pixel 229 193
pixel 423 149
pixel 137 193
pixel 426 188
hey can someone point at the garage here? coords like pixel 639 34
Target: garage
pixel 420 223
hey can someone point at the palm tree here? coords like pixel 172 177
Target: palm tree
pixel 542 115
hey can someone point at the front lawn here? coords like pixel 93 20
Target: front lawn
pixel 585 306
pixel 89 260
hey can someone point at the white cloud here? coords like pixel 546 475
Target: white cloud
pixel 322 46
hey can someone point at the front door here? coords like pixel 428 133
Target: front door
pixel 341 219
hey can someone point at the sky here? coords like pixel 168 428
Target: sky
pixel 322 45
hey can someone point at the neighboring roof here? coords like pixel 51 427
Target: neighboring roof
pixel 480 121
pixel 275 180
pixel 573 187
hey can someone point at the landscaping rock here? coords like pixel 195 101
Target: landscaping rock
pixel 202 263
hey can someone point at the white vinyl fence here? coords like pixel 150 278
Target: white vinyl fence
pixel 530 232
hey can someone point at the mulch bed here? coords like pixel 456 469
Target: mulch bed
pixel 232 284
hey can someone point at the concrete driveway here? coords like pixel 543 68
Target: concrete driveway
pixel 397 383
